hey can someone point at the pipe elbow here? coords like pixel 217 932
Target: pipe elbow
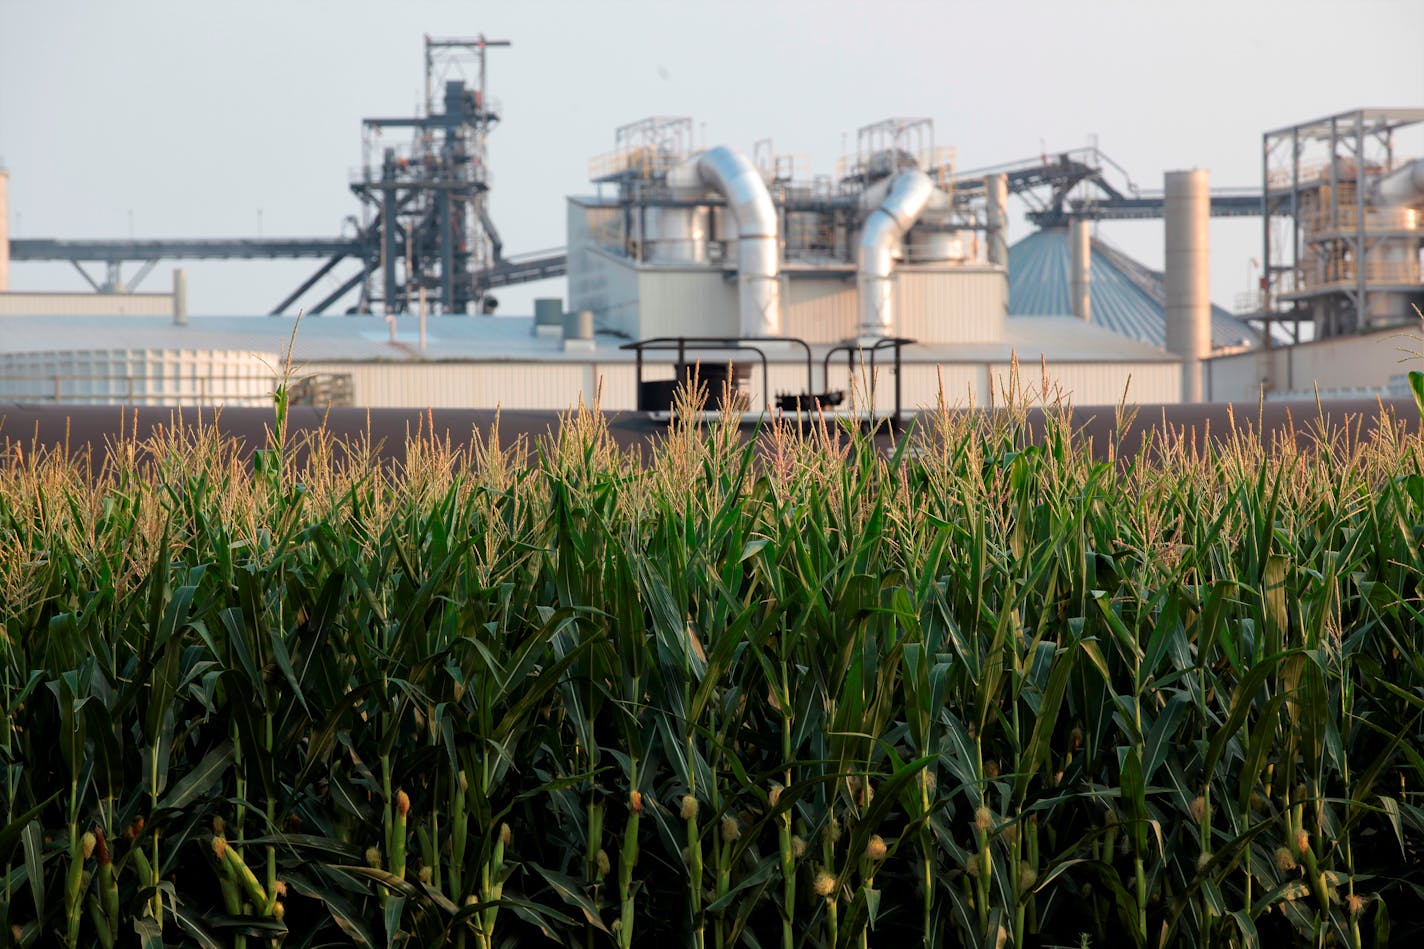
pixel 909 194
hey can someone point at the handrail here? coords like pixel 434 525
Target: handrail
pixel 852 349
pixel 680 345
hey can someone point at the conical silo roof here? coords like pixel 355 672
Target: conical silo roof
pixel 1127 295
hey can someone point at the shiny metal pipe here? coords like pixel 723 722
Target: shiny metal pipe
pixel 1404 185
pixel 880 235
pixel 733 176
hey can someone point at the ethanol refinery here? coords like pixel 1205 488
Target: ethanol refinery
pixel 879 283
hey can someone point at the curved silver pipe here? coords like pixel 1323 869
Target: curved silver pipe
pixel 1404 185
pixel 879 236
pixel 733 176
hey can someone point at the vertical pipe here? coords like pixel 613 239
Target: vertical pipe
pixel 447 252
pixel 997 232
pixel 422 317
pixel 1362 312
pixel 1187 207
pixel 880 237
pixel 1266 371
pixel 388 231
pixel 4 230
pixel 1080 244
pixel 734 177
pixel 180 297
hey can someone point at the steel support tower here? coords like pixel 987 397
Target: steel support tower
pixel 426 202
pixel 1349 261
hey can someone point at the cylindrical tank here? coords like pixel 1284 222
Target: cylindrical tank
pixel 677 235
pixel 4 230
pixel 1393 262
pixel 933 245
pixel 1187 209
pixel 1080 245
pixel 578 331
pixel 578 325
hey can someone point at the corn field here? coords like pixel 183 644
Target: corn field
pixel 985 689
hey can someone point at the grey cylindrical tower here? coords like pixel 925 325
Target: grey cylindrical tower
pixel 1080 243
pixel 180 297
pixel 996 188
pixel 1187 209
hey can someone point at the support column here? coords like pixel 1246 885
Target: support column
pixel 1080 242
pixel 4 230
pixel 447 252
pixel 1187 208
pixel 388 233
pixel 997 224
pixel 180 297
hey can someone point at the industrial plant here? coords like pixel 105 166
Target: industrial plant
pixel 880 285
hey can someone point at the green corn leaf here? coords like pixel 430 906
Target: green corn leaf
pixel 571 892
pixel 32 840
pixel 202 777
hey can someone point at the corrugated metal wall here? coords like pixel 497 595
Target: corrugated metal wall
pixel 819 310
pixel 598 280
pixel 1103 383
pixel 86 304
pixel 699 302
pixel 1344 364
pixel 940 305
pixel 512 385
pixel 140 376
pixel 1234 378
pixel 557 385
pixel 608 286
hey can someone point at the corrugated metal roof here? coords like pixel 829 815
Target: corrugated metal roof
pixel 497 339
pixel 1126 295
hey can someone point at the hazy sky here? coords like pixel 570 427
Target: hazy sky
pixel 208 119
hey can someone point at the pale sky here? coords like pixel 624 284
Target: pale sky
pixel 204 119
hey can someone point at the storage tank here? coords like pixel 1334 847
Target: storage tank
pixel 1187 209
pixel 676 235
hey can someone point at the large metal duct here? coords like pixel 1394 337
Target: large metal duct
pixel 1404 185
pixel 4 231
pixel 996 188
pixel 881 233
pixel 733 176
pixel 1080 244
pixel 1187 209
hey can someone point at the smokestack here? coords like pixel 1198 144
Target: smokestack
pixel 1080 243
pixel 4 230
pixel 1187 209
pixel 996 189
